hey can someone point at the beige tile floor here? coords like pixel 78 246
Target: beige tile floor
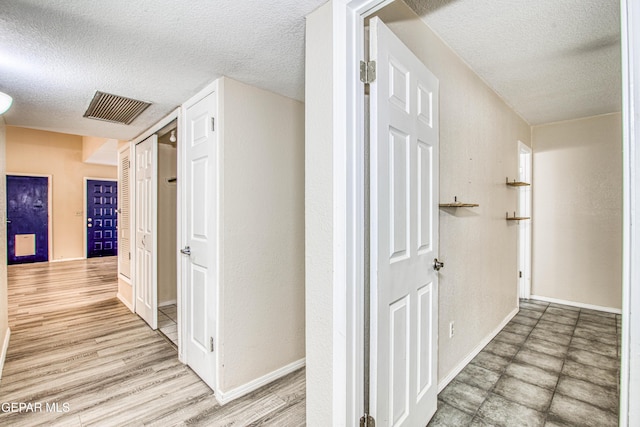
pixel 552 366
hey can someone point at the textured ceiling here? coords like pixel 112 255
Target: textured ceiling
pixel 55 54
pixel 549 59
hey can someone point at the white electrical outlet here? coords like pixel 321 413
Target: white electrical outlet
pixel 451 329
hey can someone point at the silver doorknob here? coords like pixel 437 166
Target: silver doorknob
pixel 186 250
pixel 437 265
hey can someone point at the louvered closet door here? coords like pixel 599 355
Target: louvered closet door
pixel 124 228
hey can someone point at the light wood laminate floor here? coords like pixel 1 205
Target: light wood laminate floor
pixel 75 347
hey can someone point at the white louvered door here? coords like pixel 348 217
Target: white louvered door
pixel 124 219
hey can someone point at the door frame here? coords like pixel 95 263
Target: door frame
pixel 630 351
pixel 85 180
pixel 49 209
pixel 525 227
pixel 349 208
pixel 347 254
pixel 174 115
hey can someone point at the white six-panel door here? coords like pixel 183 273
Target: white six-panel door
pixel 404 234
pixel 146 294
pixel 201 237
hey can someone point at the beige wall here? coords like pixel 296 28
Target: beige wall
pixel 167 205
pixel 577 211
pixel 262 233
pixel 479 134
pixel 4 309
pixel 58 155
pixel 319 227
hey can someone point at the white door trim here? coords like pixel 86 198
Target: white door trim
pixel 348 202
pixel 630 358
pixel 84 209
pixel 49 208
pixel 525 227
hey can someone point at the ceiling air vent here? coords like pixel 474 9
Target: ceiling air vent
pixel 114 108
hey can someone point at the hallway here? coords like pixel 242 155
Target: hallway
pixel 75 347
pixel 552 365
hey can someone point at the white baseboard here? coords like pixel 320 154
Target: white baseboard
pixel 124 301
pixel 578 304
pixel 226 397
pixel 5 348
pixel 66 259
pixel 166 303
pixel 446 380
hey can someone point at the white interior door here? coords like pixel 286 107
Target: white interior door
pixel 146 293
pixel 201 237
pixel 404 234
pixel 524 227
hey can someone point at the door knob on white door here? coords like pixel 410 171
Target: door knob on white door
pixel 437 265
pixel 186 250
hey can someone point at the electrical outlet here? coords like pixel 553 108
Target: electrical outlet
pixel 451 329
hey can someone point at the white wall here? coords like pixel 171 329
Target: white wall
pixel 577 211
pixel 479 136
pixel 319 227
pixel 4 307
pixel 262 234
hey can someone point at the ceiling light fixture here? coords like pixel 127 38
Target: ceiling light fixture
pixel 5 102
pixel 172 137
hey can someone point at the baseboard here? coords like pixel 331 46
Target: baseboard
pixel 446 380
pixel 577 304
pixel 228 396
pixel 166 303
pixel 5 348
pixel 124 278
pixel 66 259
pixel 124 301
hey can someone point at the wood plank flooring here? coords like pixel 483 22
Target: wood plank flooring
pixel 77 349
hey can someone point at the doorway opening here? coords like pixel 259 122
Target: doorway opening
pixel 167 207
pixel 524 227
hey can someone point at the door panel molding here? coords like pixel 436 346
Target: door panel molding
pixel 85 201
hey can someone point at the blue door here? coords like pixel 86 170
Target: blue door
pixel 27 219
pixel 102 221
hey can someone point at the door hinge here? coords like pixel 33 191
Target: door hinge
pixel 213 124
pixel 520 274
pixel 129 255
pixel 367 71
pixel 211 344
pixel 367 421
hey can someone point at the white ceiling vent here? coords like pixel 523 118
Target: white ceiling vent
pixel 114 108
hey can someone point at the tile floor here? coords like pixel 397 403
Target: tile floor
pixel 167 322
pixel 552 365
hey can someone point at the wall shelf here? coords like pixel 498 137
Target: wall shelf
pixel 457 204
pixel 515 183
pixel 516 218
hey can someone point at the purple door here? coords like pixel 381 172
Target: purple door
pixel 102 221
pixel 27 219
